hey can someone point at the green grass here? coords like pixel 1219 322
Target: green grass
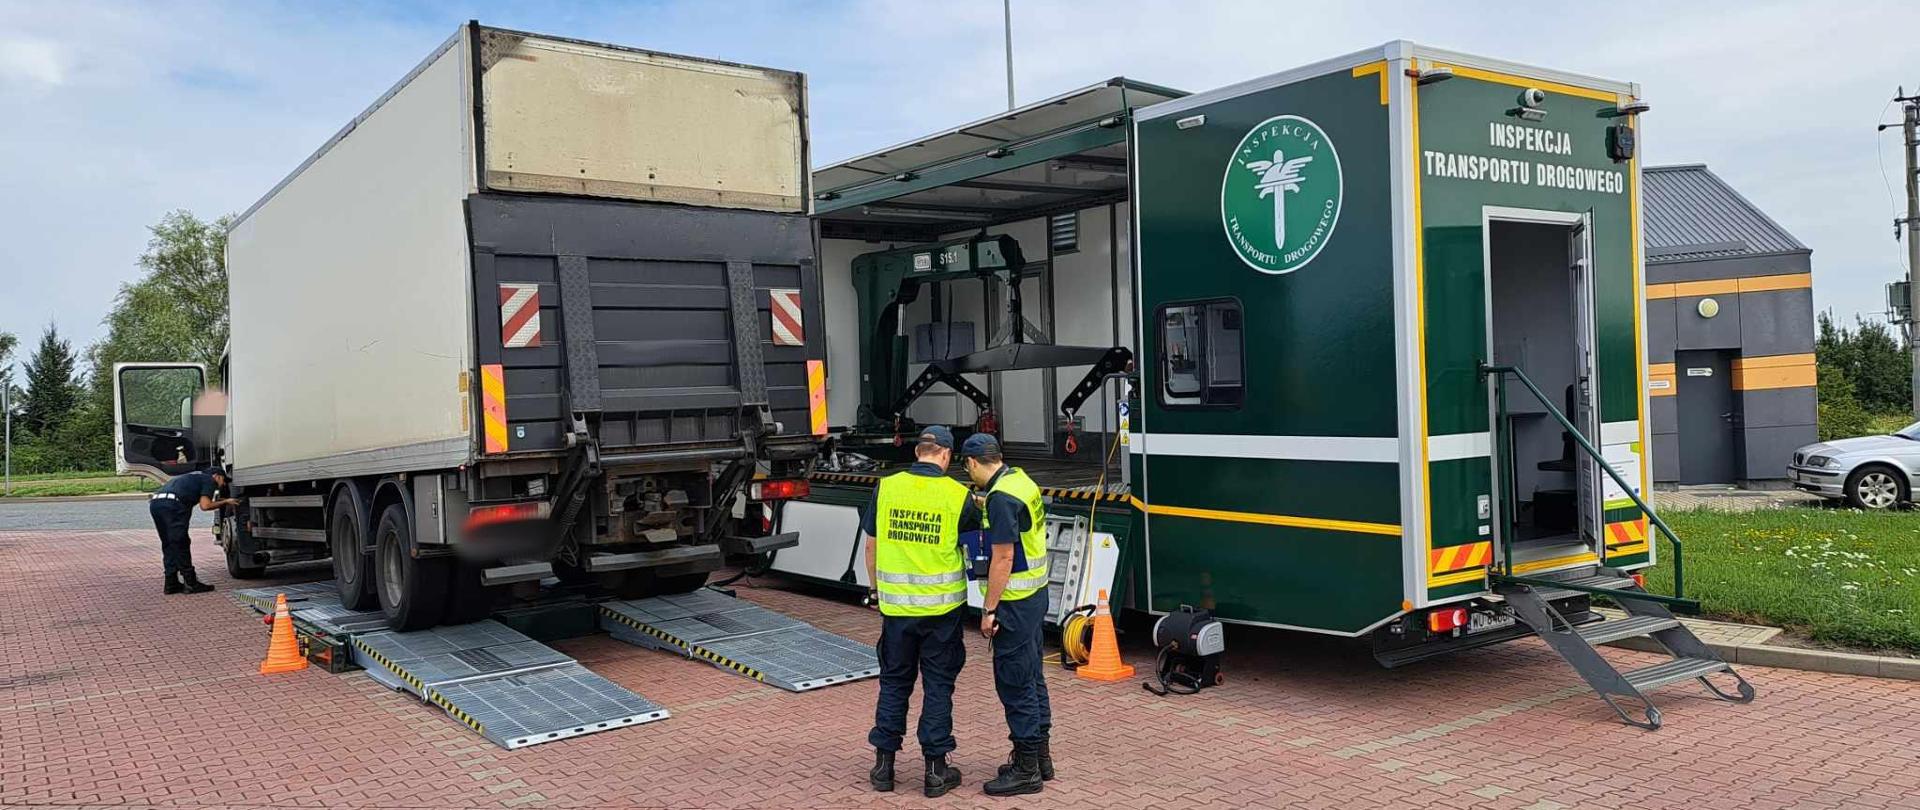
pixel 1837 576
pixel 62 476
pixel 58 485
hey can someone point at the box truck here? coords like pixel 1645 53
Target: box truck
pixel 546 308
pixel 1384 315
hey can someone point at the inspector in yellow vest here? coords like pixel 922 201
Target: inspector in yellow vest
pixel 920 567
pixel 1033 541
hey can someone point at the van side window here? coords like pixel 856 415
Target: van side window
pixel 1201 354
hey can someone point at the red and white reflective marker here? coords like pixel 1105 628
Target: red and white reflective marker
pixel 519 316
pixel 787 324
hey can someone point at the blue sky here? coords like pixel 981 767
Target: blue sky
pixel 117 112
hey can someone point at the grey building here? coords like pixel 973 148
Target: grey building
pixel 1730 333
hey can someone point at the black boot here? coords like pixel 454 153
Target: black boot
pixel 1022 775
pixel 193 583
pixel 941 777
pixel 881 777
pixel 173 584
pixel 1046 763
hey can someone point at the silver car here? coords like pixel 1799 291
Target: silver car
pixel 1870 472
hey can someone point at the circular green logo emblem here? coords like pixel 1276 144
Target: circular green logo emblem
pixel 1281 194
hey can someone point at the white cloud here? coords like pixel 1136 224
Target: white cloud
pixel 31 62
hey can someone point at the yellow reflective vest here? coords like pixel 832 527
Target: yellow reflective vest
pixel 920 568
pixel 1033 541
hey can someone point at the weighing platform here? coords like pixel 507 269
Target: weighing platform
pixel 740 636
pixel 516 691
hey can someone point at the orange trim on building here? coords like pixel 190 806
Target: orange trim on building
pixel 1729 286
pixel 1774 371
pixel 1660 380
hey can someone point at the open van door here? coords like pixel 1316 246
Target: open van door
pixel 153 414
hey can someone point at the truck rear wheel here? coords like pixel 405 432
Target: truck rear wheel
pixel 347 536
pixel 468 597
pixel 412 589
pixel 237 567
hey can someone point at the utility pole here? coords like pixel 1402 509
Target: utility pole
pixel 1006 15
pixel 1909 123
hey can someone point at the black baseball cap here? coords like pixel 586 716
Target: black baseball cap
pixel 938 434
pixel 979 444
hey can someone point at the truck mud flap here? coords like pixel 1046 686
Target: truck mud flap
pixel 511 689
pixel 742 637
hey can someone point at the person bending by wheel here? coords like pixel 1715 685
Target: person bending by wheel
pixel 172 508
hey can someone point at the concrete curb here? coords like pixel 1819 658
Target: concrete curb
pixel 1768 655
pixel 118 496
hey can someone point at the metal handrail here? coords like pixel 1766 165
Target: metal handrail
pixel 1679 564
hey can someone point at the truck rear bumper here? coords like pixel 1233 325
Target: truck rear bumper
pixel 689 558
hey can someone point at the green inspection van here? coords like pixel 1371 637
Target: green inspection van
pixel 1382 311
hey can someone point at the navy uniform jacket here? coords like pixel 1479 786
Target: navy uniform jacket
pixel 187 489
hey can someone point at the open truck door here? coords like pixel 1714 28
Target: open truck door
pixel 156 434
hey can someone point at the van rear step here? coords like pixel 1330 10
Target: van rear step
pixel 1647 615
pixel 740 636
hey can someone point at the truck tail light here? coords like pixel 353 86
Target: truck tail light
pixel 494 514
pixel 781 489
pixel 1446 620
pixel 1639 579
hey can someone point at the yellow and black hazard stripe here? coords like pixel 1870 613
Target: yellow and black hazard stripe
pixel 440 700
pixel 418 685
pixel 844 478
pixel 647 628
pixel 1083 494
pixel 722 661
pixel 426 693
pixel 1064 493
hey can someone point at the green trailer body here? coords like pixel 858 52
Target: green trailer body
pixel 1344 474
pixel 1311 441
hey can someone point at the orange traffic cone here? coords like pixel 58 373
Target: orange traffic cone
pixel 283 652
pixel 1104 663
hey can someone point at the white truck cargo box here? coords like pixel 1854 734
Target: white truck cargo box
pixel 354 308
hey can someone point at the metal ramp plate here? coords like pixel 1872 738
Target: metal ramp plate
pixel 513 690
pixel 317 604
pixel 738 635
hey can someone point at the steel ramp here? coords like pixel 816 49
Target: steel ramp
pixel 738 635
pixel 511 689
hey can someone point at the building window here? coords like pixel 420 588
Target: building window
pixel 1063 232
pixel 1201 354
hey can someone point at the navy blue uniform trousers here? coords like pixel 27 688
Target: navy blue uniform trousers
pixel 171 521
pixel 931 648
pixel 1017 669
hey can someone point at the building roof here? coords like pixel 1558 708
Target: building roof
pixel 1691 214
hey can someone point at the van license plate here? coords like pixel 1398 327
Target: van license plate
pixel 1482 622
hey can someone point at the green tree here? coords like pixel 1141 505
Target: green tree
pixel 1873 361
pixel 7 343
pixel 52 386
pixel 176 311
pixel 1840 413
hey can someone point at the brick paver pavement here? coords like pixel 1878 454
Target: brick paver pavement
pixel 111 695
